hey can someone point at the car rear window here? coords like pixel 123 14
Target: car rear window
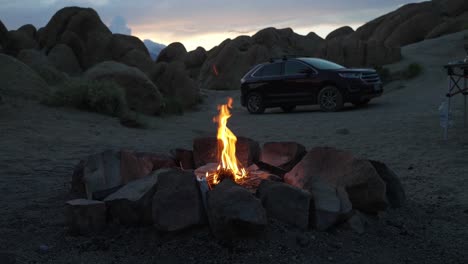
pixel 322 64
pixel 273 69
pixel 294 68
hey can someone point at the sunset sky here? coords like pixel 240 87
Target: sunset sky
pixel 202 22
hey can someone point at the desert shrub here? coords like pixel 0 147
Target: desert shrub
pixel 133 120
pixel 412 71
pixel 51 75
pixel 171 106
pixel 104 97
pixel 384 74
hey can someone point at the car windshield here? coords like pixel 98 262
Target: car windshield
pixel 322 64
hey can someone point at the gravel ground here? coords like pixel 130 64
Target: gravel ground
pixel 40 146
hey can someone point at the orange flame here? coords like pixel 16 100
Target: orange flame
pixel 227 158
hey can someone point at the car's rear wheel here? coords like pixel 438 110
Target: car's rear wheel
pixel 288 108
pixel 330 99
pixel 255 103
pixel 361 103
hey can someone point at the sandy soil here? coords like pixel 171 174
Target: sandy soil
pixel 39 147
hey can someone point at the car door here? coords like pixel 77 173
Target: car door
pixel 270 77
pixel 300 80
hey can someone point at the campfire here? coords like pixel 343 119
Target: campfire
pixel 233 182
pixel 229 166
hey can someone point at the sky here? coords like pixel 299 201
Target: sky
pixel 206 23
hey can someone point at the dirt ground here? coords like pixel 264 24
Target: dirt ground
pixel 39 147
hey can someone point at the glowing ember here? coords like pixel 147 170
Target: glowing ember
pixel 229 166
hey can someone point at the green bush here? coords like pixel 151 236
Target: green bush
pixel 171 106
pixel 50 75
pixel 412 71
pixel 104 97
pixel 384 74
pixel 133 120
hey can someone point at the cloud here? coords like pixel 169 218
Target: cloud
pixel 119 25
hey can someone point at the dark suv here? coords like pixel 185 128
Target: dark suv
pixel 289 82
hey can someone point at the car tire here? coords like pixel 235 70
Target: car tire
pixel 255 103
pixel 330 99
pixel 288 108
pixel 361 103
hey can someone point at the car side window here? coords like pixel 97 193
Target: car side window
pixel 295 68
pixel 273 69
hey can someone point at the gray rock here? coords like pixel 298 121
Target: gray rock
pixel 85 216
pixel 340 169
pixel 394 189
pixel 234 212
pixel 101 174
pixel 19 80
pixel 184 158
pixel 284 155
pixel 177 203
pixel 64 59
pixel 286 203
pixel 131 204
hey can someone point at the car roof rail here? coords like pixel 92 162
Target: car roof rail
pixel 284 58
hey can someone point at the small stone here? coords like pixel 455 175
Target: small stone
pixel 43 248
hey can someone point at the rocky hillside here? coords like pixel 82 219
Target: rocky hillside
pixel 75 41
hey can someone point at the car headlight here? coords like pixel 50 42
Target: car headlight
pixel 350 75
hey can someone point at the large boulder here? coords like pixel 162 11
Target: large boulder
pixel 450 25
pixel 29 30
pixel 131 204
pixel 139 59
pixel 340 32
pixel 177 203
pixel 3 34
pixel 83 31
pixel 234 212
pixel 17 41
pixel 64 59
pixel 142 95
pixel 17 79
pixel 175 82
pixel 194 61
pixel 173 52
pixel 122 44
pixel 227 63
pixel 33 57
pixel 413 29
pixel 340 169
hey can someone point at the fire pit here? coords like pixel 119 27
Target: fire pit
pixel 231 184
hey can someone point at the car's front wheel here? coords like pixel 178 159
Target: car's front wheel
pixel 255 103
pixel 330 99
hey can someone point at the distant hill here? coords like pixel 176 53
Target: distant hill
pixel 153 48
